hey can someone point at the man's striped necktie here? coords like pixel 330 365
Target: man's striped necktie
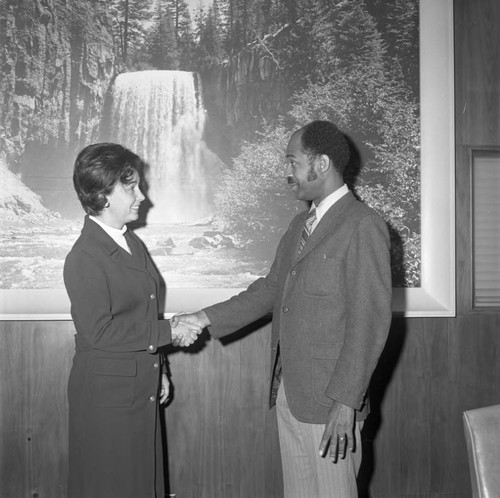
pixel 311 218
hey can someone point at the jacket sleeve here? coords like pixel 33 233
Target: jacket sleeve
pixel 91 308
pixel 368 312
pixel 251 304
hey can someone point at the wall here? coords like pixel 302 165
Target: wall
pixel 221 436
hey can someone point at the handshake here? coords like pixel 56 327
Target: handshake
pixel 186 327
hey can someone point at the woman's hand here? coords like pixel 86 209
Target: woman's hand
pixel 164 388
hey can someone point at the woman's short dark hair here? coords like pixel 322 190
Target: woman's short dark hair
pixel 323 137
pixel 98 168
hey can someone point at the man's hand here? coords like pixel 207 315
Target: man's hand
pixel 339 431
pixel 184 333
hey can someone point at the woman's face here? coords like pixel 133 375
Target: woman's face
pixel 124 201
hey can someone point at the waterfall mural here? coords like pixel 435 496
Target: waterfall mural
pixel 212 225
pixel 160 116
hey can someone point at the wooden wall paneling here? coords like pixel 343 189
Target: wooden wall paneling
pixel 443 420
pixel 411 412
pixel 420 435
pixel 227 417
pixel 477 103
pixel 260 472
pixel 190 427
pixel 415 409
pixel 35 358
pixel 14 458
pixel 476 349
pixel 377 435
pixel 477 62
pixel 254 348
pixel 397 392
pixel 420 388
pixel 219 420
pixel 49 358
pixel 463 231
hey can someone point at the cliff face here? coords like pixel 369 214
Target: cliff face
pixel 56 65
pixel 241 92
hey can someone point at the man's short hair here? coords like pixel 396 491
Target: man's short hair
pixel 323 137
pixel 98 168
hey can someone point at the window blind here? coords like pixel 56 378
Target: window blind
pixel 486 228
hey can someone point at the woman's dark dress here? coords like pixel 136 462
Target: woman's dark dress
pixel 115 443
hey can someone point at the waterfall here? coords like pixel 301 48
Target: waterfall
pixel 160 116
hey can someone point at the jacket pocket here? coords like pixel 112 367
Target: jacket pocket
pixel 113 382
pixel 321 277
pixel 324 356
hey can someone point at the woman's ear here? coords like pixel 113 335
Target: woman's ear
pixel 102 197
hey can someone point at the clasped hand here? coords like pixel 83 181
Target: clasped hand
pixel 186 327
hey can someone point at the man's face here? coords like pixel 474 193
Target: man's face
pixel 301 171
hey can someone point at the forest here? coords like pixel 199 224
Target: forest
pixel 353 62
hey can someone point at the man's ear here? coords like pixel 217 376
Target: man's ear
pixel 323 163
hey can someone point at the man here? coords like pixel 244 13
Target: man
pixel 329 289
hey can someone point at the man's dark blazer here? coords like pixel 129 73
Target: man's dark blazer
pixel 331 308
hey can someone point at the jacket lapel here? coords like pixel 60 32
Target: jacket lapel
pixel 93 231
pixel 326 225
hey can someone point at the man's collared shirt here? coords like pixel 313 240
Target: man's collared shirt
pixel 327 203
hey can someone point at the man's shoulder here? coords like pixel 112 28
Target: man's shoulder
pixel 358 208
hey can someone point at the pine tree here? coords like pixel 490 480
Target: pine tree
pixel 131 23
pixel 209 51
pixel 162 41
pixel 335 59
pixel 183 29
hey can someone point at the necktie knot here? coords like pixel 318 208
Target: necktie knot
pixel 311 218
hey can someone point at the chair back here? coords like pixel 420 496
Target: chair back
pixel 482 436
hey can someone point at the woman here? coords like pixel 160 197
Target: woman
pixel 114 388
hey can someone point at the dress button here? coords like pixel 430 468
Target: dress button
pixel 151 347
pixel 285 309
pixel 152 296
pixel 156 365
pixel 152 398
pixel 293 272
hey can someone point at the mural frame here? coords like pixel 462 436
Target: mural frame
pixel 436 295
